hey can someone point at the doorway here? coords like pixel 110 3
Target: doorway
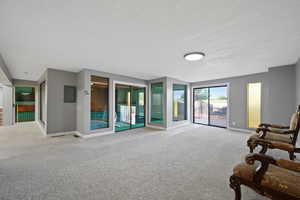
pixel 129 107
pixel 210 106
pixel 24 104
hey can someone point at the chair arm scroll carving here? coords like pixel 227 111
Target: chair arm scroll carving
pixel 264 164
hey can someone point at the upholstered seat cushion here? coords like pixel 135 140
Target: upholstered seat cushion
pixel 275 178
pixel 293 121
pixel 273 137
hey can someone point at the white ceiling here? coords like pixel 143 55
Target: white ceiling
pixel 147 38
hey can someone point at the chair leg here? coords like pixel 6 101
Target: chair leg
pixel 292 155
pixel 236 186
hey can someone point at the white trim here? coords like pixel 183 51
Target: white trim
pixel 36 100
pixel 129 83
pixel 62 133
pixel 84 136
pixel 240 130
pixel 39 123
pixel 187 102
pixel 180 125
pixel 164 81
pixel 212 85
pixel 156 127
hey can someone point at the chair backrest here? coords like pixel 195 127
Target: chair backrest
pixel 297 126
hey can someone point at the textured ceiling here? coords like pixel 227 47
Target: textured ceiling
pixel 147 39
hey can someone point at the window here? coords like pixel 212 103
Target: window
pixel 254 104
pixel 99 103
pixel 179 102
pixel 210 106
pixel 69 94
pixel 157 103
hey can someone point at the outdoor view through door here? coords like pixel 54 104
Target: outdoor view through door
pixel 179 102
pixel 25 104
pixel 210 106
pixel 129 107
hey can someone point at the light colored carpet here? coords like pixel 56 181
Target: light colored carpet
pixel 193 162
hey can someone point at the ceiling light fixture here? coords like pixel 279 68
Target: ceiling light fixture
pixel 194 56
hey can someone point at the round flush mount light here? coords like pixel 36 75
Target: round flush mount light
pixel 194 56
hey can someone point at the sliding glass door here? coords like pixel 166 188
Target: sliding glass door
pixel 210 106
pixel 138 107
pixel 24 104
pixel 201 106
pixel 129 107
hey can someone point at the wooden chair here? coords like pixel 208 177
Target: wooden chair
pixel 275 179
pixel 271 136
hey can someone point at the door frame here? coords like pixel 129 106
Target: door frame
pixel 228 103
pixel 114 101
pixel 36 102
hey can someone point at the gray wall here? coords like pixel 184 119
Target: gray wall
pixel 42 102
pixel 1 97
pixel 278 95
pixel 83 97
pixel 7 105
pixel 61 117
pixel 282 96
pixel 5 77
pixel 297 73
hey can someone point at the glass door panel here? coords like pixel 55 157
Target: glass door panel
pixel 24 104
pixel 218 106
pixel 254 104
pixel 179 102
pixel 138 107
pixel 210 106
pixel 201 105
pixel 130 107
pixel 157 99
pixel 123 116
pixel 99 103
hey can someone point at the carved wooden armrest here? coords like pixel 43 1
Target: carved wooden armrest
pixel 264 131
pixel 263 125
pixel 261 170
pixel 287 164
pixel 282 131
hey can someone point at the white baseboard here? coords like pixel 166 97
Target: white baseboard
pixel 179 125
pixel 156 127
pixel 91 135
pixel 62 133
pixel 41 127
pixel 240 130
